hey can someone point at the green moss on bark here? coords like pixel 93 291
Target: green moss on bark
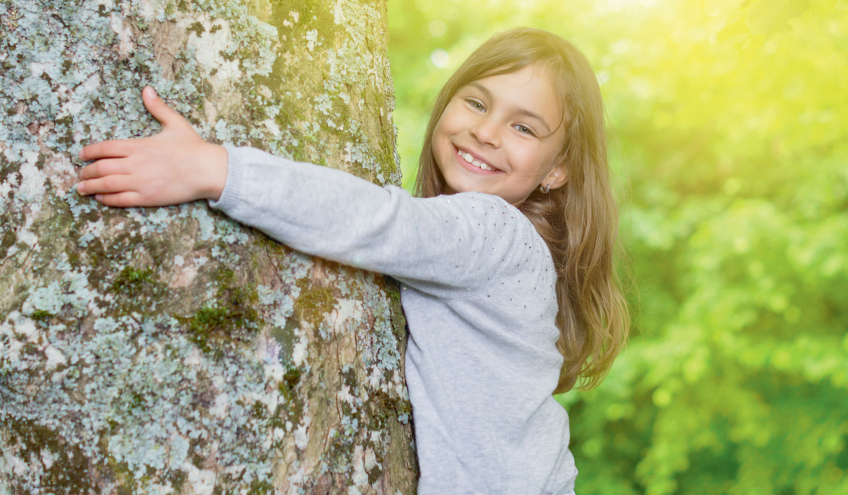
pixel 314 302
pixel 64 467
pixel 232 316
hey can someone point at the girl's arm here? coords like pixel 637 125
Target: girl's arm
pixel 437 244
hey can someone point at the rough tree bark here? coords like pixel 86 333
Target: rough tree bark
pixel 170 350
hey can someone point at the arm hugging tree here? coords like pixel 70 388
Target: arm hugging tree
pixel 171 350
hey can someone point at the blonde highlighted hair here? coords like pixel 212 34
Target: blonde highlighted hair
pixel 578 221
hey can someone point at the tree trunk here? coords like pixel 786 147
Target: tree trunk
pixel 171 350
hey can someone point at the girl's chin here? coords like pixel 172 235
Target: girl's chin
pixel 461 187
pixel 457 188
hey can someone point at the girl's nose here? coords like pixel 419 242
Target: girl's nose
pixel 485 130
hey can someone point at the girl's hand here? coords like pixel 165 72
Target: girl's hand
pixel 175 166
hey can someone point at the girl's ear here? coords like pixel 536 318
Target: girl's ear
pixel 557 177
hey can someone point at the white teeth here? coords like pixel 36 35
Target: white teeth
pixel 477 163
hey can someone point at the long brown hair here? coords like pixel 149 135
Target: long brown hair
pixel 578 221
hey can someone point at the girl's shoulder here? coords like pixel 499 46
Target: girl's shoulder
pixel 487 237
pixel 482 204
pixel 493 213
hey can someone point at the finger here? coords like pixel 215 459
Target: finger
pixel 160 110
pixel 107 149
pixel 120 200
pixel 106 185
pixel 104 167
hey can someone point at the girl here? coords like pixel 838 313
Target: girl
pixel 505 257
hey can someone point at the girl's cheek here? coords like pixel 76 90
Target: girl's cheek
pixel 438 156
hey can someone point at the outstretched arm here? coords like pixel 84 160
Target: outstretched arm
pixel 175 166
pixel 441 244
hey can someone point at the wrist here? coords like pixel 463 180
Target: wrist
pixel 216 172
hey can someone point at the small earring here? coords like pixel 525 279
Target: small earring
pixel 546 189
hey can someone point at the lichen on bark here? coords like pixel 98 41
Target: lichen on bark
pixel 171 350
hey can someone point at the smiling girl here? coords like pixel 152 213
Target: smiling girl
pixel 505 255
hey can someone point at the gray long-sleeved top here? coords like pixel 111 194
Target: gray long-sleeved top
pixel 478 294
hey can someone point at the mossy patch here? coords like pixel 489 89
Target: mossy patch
pixel 285 337
pixel 7 241
pixel 196 28
pixel 313 15
pixel 289 382
pixel 138 288
pixel 132 281
pixel 260 410
pixel 232 316
pixel 293 409
pixel 260 488
pixel 124 478
pixel 40 315
pixel 70 468
pixel 291 377
pixel 314 302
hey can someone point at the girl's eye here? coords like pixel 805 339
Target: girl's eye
pixel 476 104
pixel 524 129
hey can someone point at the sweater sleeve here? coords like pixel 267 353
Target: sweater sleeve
pixel 459 242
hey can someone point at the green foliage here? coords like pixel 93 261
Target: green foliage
pixel 727 125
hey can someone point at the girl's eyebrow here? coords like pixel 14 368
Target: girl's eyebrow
pixel 521 111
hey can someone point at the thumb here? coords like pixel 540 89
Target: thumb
pixel 160 110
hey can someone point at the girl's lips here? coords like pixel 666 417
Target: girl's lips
pixel 470 167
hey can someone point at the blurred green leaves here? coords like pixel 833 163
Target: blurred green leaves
pixel 770 16
pixel 728 126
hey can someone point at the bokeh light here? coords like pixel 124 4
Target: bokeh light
pixel 440 58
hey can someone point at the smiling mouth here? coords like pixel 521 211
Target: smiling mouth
pixel 470 160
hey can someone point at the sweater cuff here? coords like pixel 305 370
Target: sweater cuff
pixel 232 187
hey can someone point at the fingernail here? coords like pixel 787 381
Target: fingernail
pixel 79 154
pixel 98 197
pixel 151 92
pixel 81 188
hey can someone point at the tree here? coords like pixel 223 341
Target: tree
pixel 171 350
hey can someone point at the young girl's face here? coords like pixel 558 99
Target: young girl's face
pixel 501 135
